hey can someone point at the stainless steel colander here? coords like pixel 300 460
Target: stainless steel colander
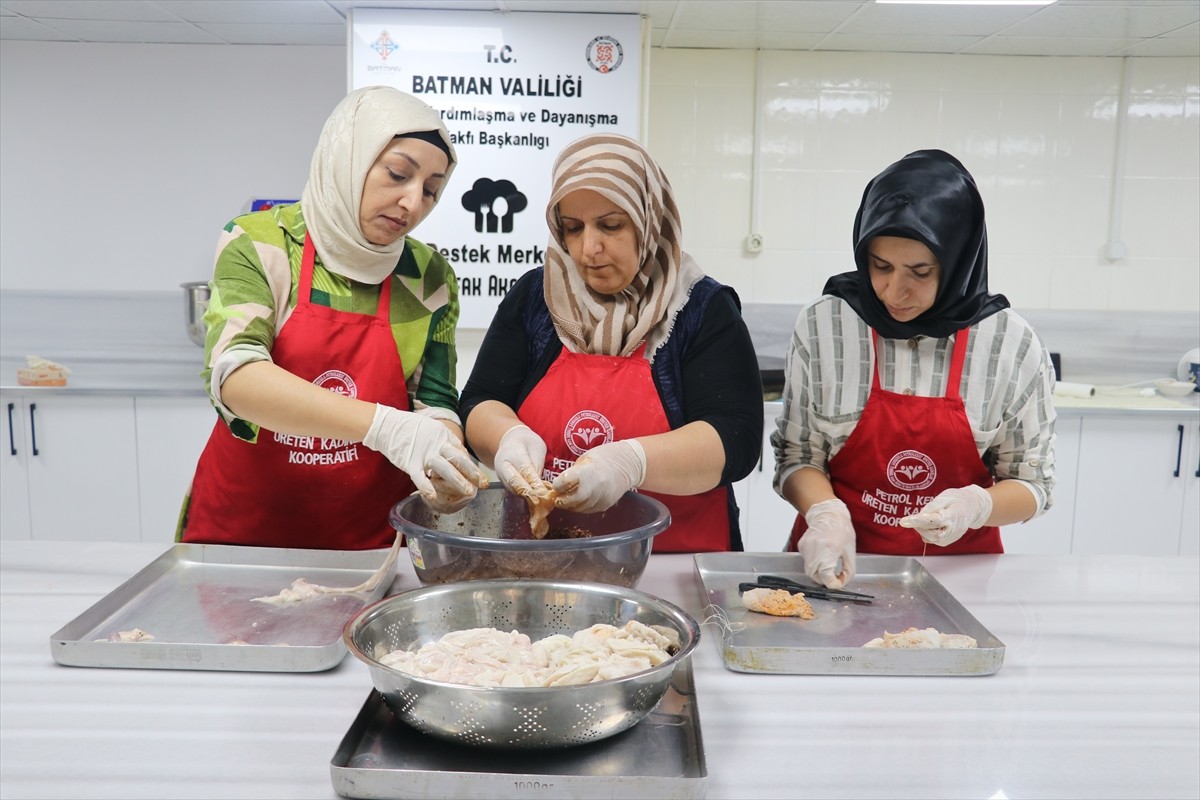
pixel 515 717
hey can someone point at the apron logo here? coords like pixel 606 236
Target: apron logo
pixel 337 382
pixel 911 470
pixel 584 429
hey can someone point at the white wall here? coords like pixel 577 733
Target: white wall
pixel 120 163
pixel 1039 134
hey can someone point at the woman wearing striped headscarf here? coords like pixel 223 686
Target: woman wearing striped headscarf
pixel 619 365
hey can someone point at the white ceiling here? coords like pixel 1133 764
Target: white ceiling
pixel 1065 28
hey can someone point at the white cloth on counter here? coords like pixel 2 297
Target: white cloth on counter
pixel 1074 389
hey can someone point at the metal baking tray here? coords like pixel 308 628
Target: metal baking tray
pixel 662 756
pixel 906 595
pixel 195 599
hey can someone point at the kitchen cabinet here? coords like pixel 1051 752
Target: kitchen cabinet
pixel 171 433
pixel 14 477
pixel 1137 485
pixel 1189 473
pixel 68 462
pixel 766 518
pixel 1051 533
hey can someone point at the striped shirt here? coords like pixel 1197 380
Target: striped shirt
pixel 1007 386
pixel 254 291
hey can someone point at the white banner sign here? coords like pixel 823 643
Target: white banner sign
pixel 513 89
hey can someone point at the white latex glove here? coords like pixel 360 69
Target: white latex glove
pixel 440 467
pixel 601 476
pixel 520 458
pixel 828 540
pixel 948 516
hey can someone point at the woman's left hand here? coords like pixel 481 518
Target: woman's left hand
pixel 601 476
pixel 951 514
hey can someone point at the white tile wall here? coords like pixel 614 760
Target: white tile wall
pixel 1039 134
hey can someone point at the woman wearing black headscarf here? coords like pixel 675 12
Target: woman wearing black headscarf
pixel 917 405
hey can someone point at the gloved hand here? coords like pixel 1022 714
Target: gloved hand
pixel 601 476
pixel 440 467
pixel 828 540
pixel 448 495
pixel 945 518
pixel 520 459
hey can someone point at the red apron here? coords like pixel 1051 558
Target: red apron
pixel 305 491
pixel 587 400
pixel 904 451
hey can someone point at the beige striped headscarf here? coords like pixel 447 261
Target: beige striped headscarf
pixel 621 170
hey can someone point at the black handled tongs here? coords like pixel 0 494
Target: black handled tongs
pixel 818 592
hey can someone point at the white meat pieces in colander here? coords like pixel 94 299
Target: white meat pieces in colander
pixel 488 657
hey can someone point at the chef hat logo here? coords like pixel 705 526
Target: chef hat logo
pixel 494 203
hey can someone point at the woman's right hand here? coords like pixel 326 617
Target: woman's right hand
pixel 520 457
pixel 425 448
pixel 828 540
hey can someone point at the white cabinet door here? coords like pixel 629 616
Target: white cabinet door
pixel 1189 472
pixel 766 517
pixel 14 475
pixel 81 465
pixel 1051 532
pixel 1129 498
pixel 171 433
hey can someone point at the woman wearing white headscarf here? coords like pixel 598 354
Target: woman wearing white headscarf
pixel 330 351
pixel 620 365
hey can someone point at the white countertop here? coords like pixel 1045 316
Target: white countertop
pixel 133 377
pixel 1098 697
pixel 179 374
pixel 1108 400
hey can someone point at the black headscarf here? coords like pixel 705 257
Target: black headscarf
pixel 928 196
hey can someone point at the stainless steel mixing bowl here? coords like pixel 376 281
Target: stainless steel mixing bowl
pixel 524 718
pixel 490 538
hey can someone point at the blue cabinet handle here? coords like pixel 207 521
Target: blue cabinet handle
pixel 1179 452
pixel 33 428
pixel 12 443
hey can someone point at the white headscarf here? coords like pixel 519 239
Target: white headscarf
pixel 357 131
pixel 586 321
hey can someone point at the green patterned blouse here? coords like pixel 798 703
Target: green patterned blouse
pixel 254 290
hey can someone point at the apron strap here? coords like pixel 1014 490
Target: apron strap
pixel 874 360
pixel 956 362
pixel 306 271
pixel 383 310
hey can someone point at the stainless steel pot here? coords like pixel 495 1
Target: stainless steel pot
pixel 195 303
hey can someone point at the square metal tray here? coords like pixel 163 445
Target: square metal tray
pixel 195 599
pixel 906 595
pixel 662 756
